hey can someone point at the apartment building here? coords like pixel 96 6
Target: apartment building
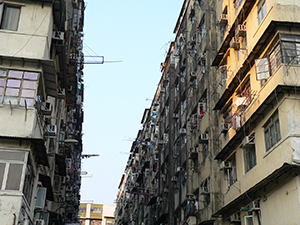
pixel 257 61
pixel 96 214
pixel 41 95
pixel 219 143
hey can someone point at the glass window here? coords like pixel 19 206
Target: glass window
pixel 14 177
pixel 249 156
pixel 262 11
pixel 272 131
pixel 10 16
pixel 29 181
pixel 18 87
pixel 232 176
pixel 2 169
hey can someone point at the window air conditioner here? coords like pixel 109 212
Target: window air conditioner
pixel 247 141
pixel 46 108
pixel 225 165
pixel 51 130
pixel 39 222
pixel 223 19
pixel 174 179
pixel 224 128
pixel 236 217
pixel 193 76
pixel 203 138
pixel 175 115
pixel 204 191
pixel 241 30
pixel 58 35
pixel 254 206
pixel 182 131
pixel 60 93
pixel 235 43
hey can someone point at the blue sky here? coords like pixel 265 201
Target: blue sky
pixel 137 32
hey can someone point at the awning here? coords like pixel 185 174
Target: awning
pixel 60 162
pixel 46 181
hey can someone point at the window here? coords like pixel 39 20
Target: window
pixel 201 29
pixel 202 64
pixel 237 4
pixel 18 87
pixel 249 154
pixel 11 169
pixel 205 151
pixel 29 181
pixel 262 69
pixel 232 175
pixel 262 11
pixel 272 131
pixel 9 17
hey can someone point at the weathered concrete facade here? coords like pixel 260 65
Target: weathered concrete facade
pixel 220 141
pixel 40 107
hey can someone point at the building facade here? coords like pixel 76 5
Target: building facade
pixel 96 214
pixel 41 95
pixel 219 143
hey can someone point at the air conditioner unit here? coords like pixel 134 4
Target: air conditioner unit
pixel 61 93
pixel 235 43
pixel 175 115
pixel 247 141
pixel 46 108
pixel 182 131
pixel 69 189
pixel 236 217
pixel 254 206
pixel 205 191
pixel 174 179
pixel 39 222
pixel 223 19
pixel 225 165
pixel 58 35
pixel 224 128
pixel 193 76
pixel 203 138
pixel 51 130
pixel 241 30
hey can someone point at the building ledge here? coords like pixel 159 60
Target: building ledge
pixel 268 183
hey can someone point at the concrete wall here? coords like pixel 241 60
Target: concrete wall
pixel 33 37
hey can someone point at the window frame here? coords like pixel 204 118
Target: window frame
pixel 5 22
pixel 271 128
pixel 261 11
pixel 250 155
pixel 8 163
pixel 18 91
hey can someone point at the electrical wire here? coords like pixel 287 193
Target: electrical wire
pixel 33 32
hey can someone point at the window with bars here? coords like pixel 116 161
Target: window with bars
pixel 272 131
pixel 18 87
